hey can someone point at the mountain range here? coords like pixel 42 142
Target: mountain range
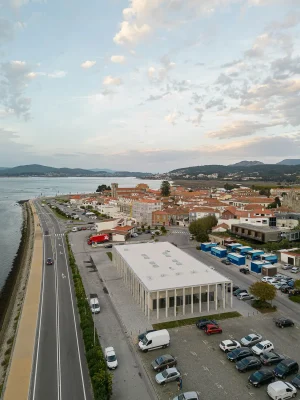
pixel 287 161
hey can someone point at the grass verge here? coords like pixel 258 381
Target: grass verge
pixel 109 255
pixel 295 299
pixel 100 377
pixel 263 306
pixel 192 321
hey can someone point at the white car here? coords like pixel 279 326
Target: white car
pixel 251 339
pixel 287 266
pixel 281 390
pixel 268 279
pixel 263 347
pixel 229 345
pixel 110 357
pixel 294 270
pixel 277 285
pixel 245 296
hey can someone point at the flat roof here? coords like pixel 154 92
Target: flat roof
pixel 219 248
pixel 255 251
pixel 259 228
pixel 161 266
pixel 236 255
pixel 244 247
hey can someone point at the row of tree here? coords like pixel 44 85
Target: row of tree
pixel 202 227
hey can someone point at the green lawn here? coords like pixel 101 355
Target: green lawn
pixel 109 254
pixel 192 321
pixel 295 299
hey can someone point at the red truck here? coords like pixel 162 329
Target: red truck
pixel 98 239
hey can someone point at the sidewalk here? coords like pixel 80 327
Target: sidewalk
pixel 18 382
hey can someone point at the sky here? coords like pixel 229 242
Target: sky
pixel 148 85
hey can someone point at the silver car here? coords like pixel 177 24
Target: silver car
pixel 168 375
pixel 187 396
pixel 251 339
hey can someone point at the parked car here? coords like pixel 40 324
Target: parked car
pixel 226 262
pixel 49 261
pixel 211 329
pixel 46 232
pixel 238 291
pixel 268 279
pixel 163 362
pixel 248 363
pixel 285 368
pixel 277 285
pixel 245 270
pixel 168 375
pixel 234 288
pixel 259 378
pixel 108 246
pixel 287 266
pixel 245 296
pixel 229 345
pixel 285 288
pixel 296 381
pixel 202 323
pixel 282 322
pixel 239 354
pixel 110 357
pixel 271 358
pixel 293 292
pixel 295 270
pixel 251 339
pixel 281 390
pixel 187 396
pixel 262 347
pixel 155 340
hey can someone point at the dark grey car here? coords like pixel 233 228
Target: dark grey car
pixel 163 362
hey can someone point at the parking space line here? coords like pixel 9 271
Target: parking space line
pixel 193 353
pixel 223 362
pixel 205 341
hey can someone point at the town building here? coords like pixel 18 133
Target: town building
pixel 142 210
pixel 287 219
pixel 166 282
pixel 263 234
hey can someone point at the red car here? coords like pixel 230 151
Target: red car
pixel 49 261
pixel 211 329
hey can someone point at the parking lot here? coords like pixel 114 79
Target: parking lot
pixel 205 368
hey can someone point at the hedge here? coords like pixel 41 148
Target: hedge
pixel 100 377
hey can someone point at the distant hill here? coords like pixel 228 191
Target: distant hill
pixel 289 161
pixel 42 170
pixel 3 168
pixel 102 170
pixel 247 163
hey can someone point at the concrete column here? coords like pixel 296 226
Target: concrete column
pixel 148 305
pixel 200 305
pixel 157 304
pixel 231 296
pixel 183 305
pixel 175 303
pixel 145 302
pixel 167 303
pixel 224 295
pixel 207 297
pixel 192 300
pixel 216 297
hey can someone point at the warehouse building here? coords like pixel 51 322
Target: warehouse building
pixel 166 282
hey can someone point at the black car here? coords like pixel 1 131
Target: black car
pixel 259 378
pixel 248 363
pixel 245 270
pixel 271 358
pixel 226 262
pixel 49 261
pixel 163 362
pixel 234 288
pixel 46 232
pixel 296 382
pixel 108 246
pixel 142 335
pixel 283 322
pixel 202 323
pixel 239 291
pixel 285 368
pixel 239 354
pixel 285 288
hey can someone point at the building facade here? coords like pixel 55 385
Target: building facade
pixel 142 210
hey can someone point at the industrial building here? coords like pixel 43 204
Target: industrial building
pixel 261 234
pixel 165 281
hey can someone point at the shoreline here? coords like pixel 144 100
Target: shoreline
pixel 13 292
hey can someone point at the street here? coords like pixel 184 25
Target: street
pixel 59 366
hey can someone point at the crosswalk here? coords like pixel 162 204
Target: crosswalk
pixel 56 234
pixel 181 232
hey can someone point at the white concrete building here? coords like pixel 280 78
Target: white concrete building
pixel 165 281
pixel 109 209
pixel 142 210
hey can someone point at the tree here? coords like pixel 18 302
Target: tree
pixel 101 188
pixel 230 186
pixel 265 192
pixel 277 201
pixel 202 237
pixel 202 226
pixel 165 188
pixel 263 291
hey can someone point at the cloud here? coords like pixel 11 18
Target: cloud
pixel 223 80
pixel 285 67
pixel 118 59
pixel 6 31
pixel 57 74
pixel 157 97
pixel 219 102
pixel 159 74
pixel 14 81
pixel 88 64
pixel 172 118
pixel 196 119
pixel 241 128
pixel 273 87
pixel 111 81
pixel 291 20
pixel 131 33
pixel 7 135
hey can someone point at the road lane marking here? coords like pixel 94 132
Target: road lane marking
pixel 76 333
pixel 57 331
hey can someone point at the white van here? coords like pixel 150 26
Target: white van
pixel 281 390
pixel 74 229
pixel 155 340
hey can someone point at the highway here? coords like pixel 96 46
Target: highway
pixel 59 365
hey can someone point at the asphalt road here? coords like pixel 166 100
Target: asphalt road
pixel 59 365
